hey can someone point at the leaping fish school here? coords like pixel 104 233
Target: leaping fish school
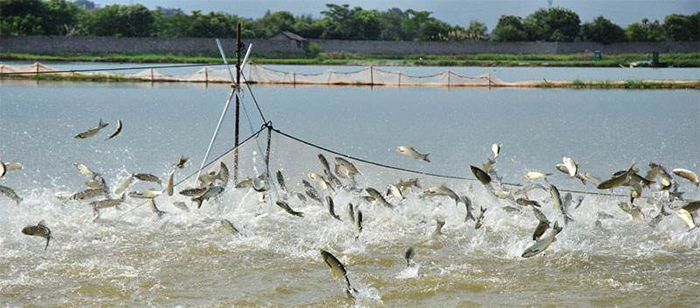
pixel 306 224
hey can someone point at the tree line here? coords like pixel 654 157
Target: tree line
pixel 82 17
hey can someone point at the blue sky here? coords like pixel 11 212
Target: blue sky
pixel 622 12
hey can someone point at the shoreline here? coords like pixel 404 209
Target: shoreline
pixel 674 60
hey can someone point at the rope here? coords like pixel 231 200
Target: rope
pixel 222 155
pixel 423 172
pixel 253 96
pixel 110 69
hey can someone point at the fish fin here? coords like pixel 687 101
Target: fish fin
pixel 102 124
pixel 48 239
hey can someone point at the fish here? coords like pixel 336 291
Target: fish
pixel 89 193
pixel 280 181
pixel 10 193
pixel 688 175
pixel 107 203
pixel 541 228
pixel 636 178
pixel 502 193
pixel 124 185
pixel 528 187
pixel 468 205
pixel 13 166
pixel 331 208
pixel 84 170
pixel 687 217
pixel 260 184
pixel 408 255
pixel 357 224
pixel 570 165
pixel 193 192
pixel 286 208
pixel 147 177
pixel 181 205
pixel 544 242
pixel 352 170
pixel 579 201
pixel 245 183
pixel 145 194
pixel 311 191
pixel 480 219
pixel 403 185
pixel 211 192
pixel 223 174
pixel 496 149
pixel 533 175
pixel 510 209
pixel 556 198
pixel 92 131
pixel 229 226
pixel 181 163
pixel 116 131
pixel 378 197
pixel 587 177
pixel 351 212
pixel 616 181
pixel 64 195
pixel 631 209
pixel 660 172
pixel 394 191
pixel 40 230
pixel 337 270
pixel 152 205
pixel 603 215
pixel 526 202
pixel 170 188
pixel 339 171
pixel 208 178
pixel 320 181
pixel 324 162
pixel 488 165
pixel 692 206
pixel 442 190
pixel 411 152
pixel 439 223
pixel 539 215
pixel 657 219
pixel 480 175
pixel 301 197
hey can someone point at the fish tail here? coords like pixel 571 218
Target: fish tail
pixel 469 216
pixel 567 219
pixel 425 157
pixel 102 124
pixel 48 239
pixel 197 201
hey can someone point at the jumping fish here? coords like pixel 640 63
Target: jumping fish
pixel 352 170
pixel 324 162
pixel 688 175
pixel 228 225
pixel 321 182
pixel 526 202
pixel 288 209
pixel 482 176
pixel 403 185
pixel 280 181
pixel 631 209
pixel 411 152
pixel 442 190
pixel 193 192
pixel 40 230
pixel 378 197
pixel 570 165
pixel 211 192
pixel 439 223
pixel 223 174
pixel 170 189
pixel 147 177
pixel 124 185
pixel 337 270
pixel 107 203
pixel 145 194
pixel 480 219
pixel 488 165
pixel 260 184
pixel 559 204
pixel 10 193
pixel 658 171
pixel 533 175
pixel 116 131
pixel 468 206
pixel 89 193
pixel 541 228
pixel 351 212
pixel 579 201
pixel 496 149
pixel 181 163
pixel 528 187
pixel 84 170
pixel 408 255
pixel 331 208
pixel 92 131
pixel 616 181
pixel 301 197
pixel 391 189
pixel 209 178
pixel 312 192
pixel 357 224
pixel 657 219
pixel 13 166
pixel 152 205
pixel 542 243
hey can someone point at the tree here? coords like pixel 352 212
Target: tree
pixel 34 17
pixel 510 29
pixel 273 23
pixel 120 20
pixel 603 31
pixel 477 31
pixel 682 27
pixel 553 25
pixel 390 24
pixel 307 27
pixel 342 23
pixel 645 31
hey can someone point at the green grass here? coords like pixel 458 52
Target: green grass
pixel 554 60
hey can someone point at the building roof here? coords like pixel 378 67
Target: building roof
pixel 292 36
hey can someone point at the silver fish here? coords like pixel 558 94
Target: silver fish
pixel 312 192
pixel 124 185
pixel 408 255
pixel 211 192
pixel 170 188
pixel 579 201
pixel 468 205
pixel 533 175
pixel 40 230
pixel 657 219
pixel 603 215
pixel 496 149
pixel 480 175
pixel 570 165
pixel 352 170
pixel 411 152
pixel 92 131
pixel 147 177
pixel 331 208
pixel 526 202
pixel 280 180
pixel 223 174
pixel 193 192
pixel 688 175
pixel 351 212
pixel 542 243
pixel 480 219
pixel 10 193
pixel 337 270
pixel 245 183
pixel 403 185
pixel 13 166
pixel 633 210
pixel 378 197
pixel 116 131
pixel 528 187
pixel 442 190
pixel 321 182
pixel 260 184
pixel 89 193
pixel 439 223
pixel 152 205
pixel 541 228
pixel 324 162
pixel 687 217
pixel 107 203
pixel 84 170
pixel 301 197
pixel 539 215
pixel 288 209
pixel 145 194
pixel 207 178
pixel 229 226
pixel 357 224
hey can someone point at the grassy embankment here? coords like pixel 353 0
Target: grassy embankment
pixel 567 60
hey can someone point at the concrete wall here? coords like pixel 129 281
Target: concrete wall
pixel 193 46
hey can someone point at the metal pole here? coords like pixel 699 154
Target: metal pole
pixel 239 47
pixel 371 75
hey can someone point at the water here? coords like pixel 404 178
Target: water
pixel 508 74
pixel 189 259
